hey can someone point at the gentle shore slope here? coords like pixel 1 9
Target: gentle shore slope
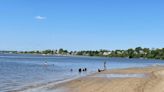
pixel 153 81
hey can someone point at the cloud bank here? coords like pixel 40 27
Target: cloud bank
pixel 40 17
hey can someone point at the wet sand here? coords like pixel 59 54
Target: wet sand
pixel 152 81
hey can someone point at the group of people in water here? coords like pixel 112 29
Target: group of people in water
pixel 82 69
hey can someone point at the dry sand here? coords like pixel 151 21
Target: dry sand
pixel 152 82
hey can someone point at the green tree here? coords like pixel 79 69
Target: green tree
pixel 61 51
pixel 130 53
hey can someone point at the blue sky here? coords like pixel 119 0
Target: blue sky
pixel 81 24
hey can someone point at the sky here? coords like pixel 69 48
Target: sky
pixel 81 24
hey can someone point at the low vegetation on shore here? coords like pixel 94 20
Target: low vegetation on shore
pixel 137 52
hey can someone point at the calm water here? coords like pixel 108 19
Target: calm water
pixel 18 72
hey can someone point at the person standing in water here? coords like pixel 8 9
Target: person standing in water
pixel 45 63
pixel 105 65
pixel 71 70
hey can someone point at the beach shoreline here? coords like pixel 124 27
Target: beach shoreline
pixel 151 82
pixel 145 79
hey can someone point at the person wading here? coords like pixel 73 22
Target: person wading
pixel 105 65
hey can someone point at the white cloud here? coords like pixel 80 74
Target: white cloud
pixel 40 17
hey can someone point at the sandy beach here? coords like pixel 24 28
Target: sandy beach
pixel 149 79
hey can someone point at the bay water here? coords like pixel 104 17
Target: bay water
pixel 22 71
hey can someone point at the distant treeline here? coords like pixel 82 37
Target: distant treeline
pixel 129 53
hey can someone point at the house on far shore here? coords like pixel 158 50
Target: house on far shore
pixel 107 53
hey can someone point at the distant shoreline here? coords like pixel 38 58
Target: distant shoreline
pixel 77 56
pixel 138 52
